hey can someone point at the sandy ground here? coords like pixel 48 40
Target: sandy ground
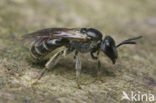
pixel 134 71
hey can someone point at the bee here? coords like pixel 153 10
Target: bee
pixel 53 43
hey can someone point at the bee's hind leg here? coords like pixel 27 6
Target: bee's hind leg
pixel 50 64
pixel 78 70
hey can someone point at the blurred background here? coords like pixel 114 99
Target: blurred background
pixel 135 69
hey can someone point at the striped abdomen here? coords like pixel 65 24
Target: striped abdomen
pixel 45 47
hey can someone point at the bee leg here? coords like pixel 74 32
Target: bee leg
pixel 76 52
pixel 93 57
pixel 50 64
pixel 98 65
pixel 78 69
pixel 99 71
pixel 54 60
pixel 68 51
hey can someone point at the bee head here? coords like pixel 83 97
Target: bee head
pixel 109 47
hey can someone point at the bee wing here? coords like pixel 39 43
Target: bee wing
pixel 52 33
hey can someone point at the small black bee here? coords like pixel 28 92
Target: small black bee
pixel 53 43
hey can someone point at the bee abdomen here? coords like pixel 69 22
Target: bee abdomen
pixel 46 47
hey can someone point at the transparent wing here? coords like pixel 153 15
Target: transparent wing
pixel 52 33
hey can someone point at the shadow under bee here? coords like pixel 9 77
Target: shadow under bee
pixel 66 68
pixel 88 68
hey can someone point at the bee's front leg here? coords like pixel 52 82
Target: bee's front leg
pixel 99 70
pixel 78 70
pixel 98 65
